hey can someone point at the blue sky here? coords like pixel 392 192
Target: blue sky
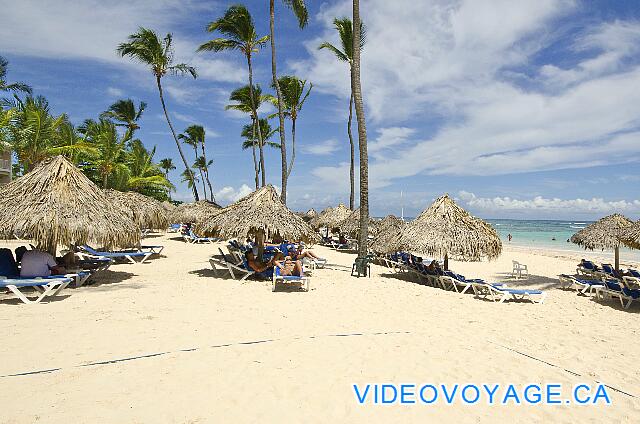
pixel 519 109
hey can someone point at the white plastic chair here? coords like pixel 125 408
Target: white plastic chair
pixel 518 269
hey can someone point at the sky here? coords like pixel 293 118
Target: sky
pixel 518 109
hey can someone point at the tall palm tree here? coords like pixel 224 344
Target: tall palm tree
pixel 345 31
pixel 251 141
pixel 191 137
pixel 202 164
pixel 146 47
pixel 15 87
pixel 356 89
pixel 166 165
pixel 207 165
pixel 124 113
pixel 300 11
pixel 240 32
pixel 245 100
pixel 110 150
pixel 293 98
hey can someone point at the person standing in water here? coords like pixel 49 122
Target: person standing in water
pixel 509 237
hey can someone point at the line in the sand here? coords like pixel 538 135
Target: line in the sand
pixel 559 367
pixel 193 349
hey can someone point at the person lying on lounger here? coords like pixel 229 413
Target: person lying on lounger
pixel 300 253
pixel 288 267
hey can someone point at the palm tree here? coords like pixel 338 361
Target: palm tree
pixel 245 100
pixel 356 90
pixel 125 114
pixel 166 165
pixel 34 133
pixel 345 30
pixel 202 164
pixel 15 87
pixel 237 25
pixel 293 98
pixel 110 150
pixel 195 137
pixel 146 47
pixel 143 175
pixel 300 10
pixel 251 141
pixel 189 178
pixel 191 137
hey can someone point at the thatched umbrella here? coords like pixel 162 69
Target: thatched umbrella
pixel 388 233
pixel 260 214
pixel 57 204
pixel 146 211
pixel 631 236
pixel 604 234
pixel 446 229
pixel 351 225
pixel 331 217
pixel 310 214
pixel 168 206
pixel 194 212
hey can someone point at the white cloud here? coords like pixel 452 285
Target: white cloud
pixel 115 92
pixel 92 29
pixel 540 205
pixel 322 148
pixel 452 76
pixel 230 194
pixel 185 118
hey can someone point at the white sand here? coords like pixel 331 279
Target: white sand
pixel 302 371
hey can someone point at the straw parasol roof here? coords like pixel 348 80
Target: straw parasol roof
pixel 446 229
pixel 331 217
pixel 57 204
pixel 631 235
pixel 389 229
pixel 260 213
pixel 351 225
pixel 168 206
pixel 310 214
pixel 194 212
pixel 146 211
pixel 604 234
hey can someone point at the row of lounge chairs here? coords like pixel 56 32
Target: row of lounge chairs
pixel 604 282
pixel 448 280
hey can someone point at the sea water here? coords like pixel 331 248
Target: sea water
pixel 551 235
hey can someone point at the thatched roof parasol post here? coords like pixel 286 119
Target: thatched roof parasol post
pixel 260 214
pixel 607 233
pixel 446 229
pixel 57 204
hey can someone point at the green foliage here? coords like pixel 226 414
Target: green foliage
pixel 344 26
pixel 251 136
pixel 238 30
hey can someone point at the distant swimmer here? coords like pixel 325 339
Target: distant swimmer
pixel 553 239
pixel 509 237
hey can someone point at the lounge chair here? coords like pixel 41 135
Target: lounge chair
pixel 44 286
pixel 500 293
pixel 124 255
pixel 587 268
pixel 457 282
pixel 174 228
pixel 195 239
pixel 289 279
pixel 518 269
pixel 582 285
pixel 616 288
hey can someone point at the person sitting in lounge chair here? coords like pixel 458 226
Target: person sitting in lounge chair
pixel 434 267
pixel 300 253
pixel 255 264
pixel 37 263
pixel 288 267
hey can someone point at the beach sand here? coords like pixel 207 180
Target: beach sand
pixel 168 341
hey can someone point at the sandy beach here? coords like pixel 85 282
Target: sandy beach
pixel 169 341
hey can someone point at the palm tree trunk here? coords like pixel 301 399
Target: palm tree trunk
pixel 204 188
pixel 173 132
pixel 352 177
pixel 257 121
pixel 253 149
pixel 206 172
pixel 362 134
pixel 283 145
pixel 293 146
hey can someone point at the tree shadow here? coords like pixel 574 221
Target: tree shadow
pixel 106 279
